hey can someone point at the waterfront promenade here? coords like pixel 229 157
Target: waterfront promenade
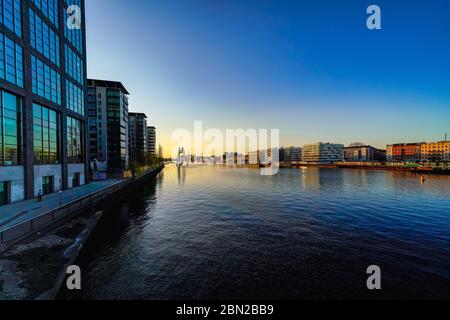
pixel 15 213
pixel 23 273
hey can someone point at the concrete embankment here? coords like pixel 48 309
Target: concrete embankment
pixel 93 202
pixel 33 265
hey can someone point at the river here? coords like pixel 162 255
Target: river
pixel 217 232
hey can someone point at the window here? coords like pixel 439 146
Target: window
pixel 10 129
pixel 75 140
pixel 74 98
pixel 44 39
pixel 3 193
pixel 45 135
pixel 11 61
pixel 74 65
pixel 49 8
pixel 46 82
pixel 10 15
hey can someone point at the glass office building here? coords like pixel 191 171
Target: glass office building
pixel 42 99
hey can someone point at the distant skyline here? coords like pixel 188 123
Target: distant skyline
pixel 309 68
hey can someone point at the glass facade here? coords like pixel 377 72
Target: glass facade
pixel 117 129
pixel 75 141
pixel 46 135
pixel 74 36
pixel 10 129
pixel 74 65
pixel 46 82
pixel 49 8
pixel 3 193
pixel 34 34
pixel 74 98
pixel 44 39
pixel 11 61
pixel 10 16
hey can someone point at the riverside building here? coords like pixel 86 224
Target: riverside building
pixel 322 153
pixel 137 133
pixel 291 154
pixel 404 152
pixel 42 99
pixel 435 152
pixel 151 141
pixel 363 153
pixel 108 125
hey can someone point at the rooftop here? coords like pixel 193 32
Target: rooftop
pixel 107 84
pixel 137 114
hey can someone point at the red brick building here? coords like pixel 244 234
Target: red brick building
pixel 404 152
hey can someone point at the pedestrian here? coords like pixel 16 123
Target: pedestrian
pixel 39 197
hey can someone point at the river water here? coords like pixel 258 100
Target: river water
pixel 216 232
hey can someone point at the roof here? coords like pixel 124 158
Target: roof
pixel 137 114
pixel 406 144
pixel 358 147
pixel 107 84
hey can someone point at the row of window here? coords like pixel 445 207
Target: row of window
pixel 74 98
pixel 74 65
pixel 46 82
pixel 11 61
pixel 45 135
pixel 10 130
pixel 44 39
pixel 74 141
pixel 50 9
pixel 10 15
pixel 74 36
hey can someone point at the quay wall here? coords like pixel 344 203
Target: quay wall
pixel 96 201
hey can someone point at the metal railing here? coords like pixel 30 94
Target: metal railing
pixel 27 227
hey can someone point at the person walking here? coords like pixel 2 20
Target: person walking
pixel 39 197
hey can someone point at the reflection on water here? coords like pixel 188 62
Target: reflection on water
pixel 223 232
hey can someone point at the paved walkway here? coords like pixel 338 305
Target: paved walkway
pixel 12 214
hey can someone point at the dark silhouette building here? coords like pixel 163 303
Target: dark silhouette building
pixel 108 125
pixel 137 132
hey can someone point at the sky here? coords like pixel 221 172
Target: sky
pixel 309 68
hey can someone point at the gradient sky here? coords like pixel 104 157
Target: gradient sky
pixel 310 68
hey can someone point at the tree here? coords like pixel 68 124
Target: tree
pixel 153 160
pixel 133 166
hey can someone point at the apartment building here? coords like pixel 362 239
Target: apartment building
pixel 364 153
pixel 108 119
pixel 322 153
pixel 137 133
pixel 435 152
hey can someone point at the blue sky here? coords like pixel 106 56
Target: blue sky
pixel 310 68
